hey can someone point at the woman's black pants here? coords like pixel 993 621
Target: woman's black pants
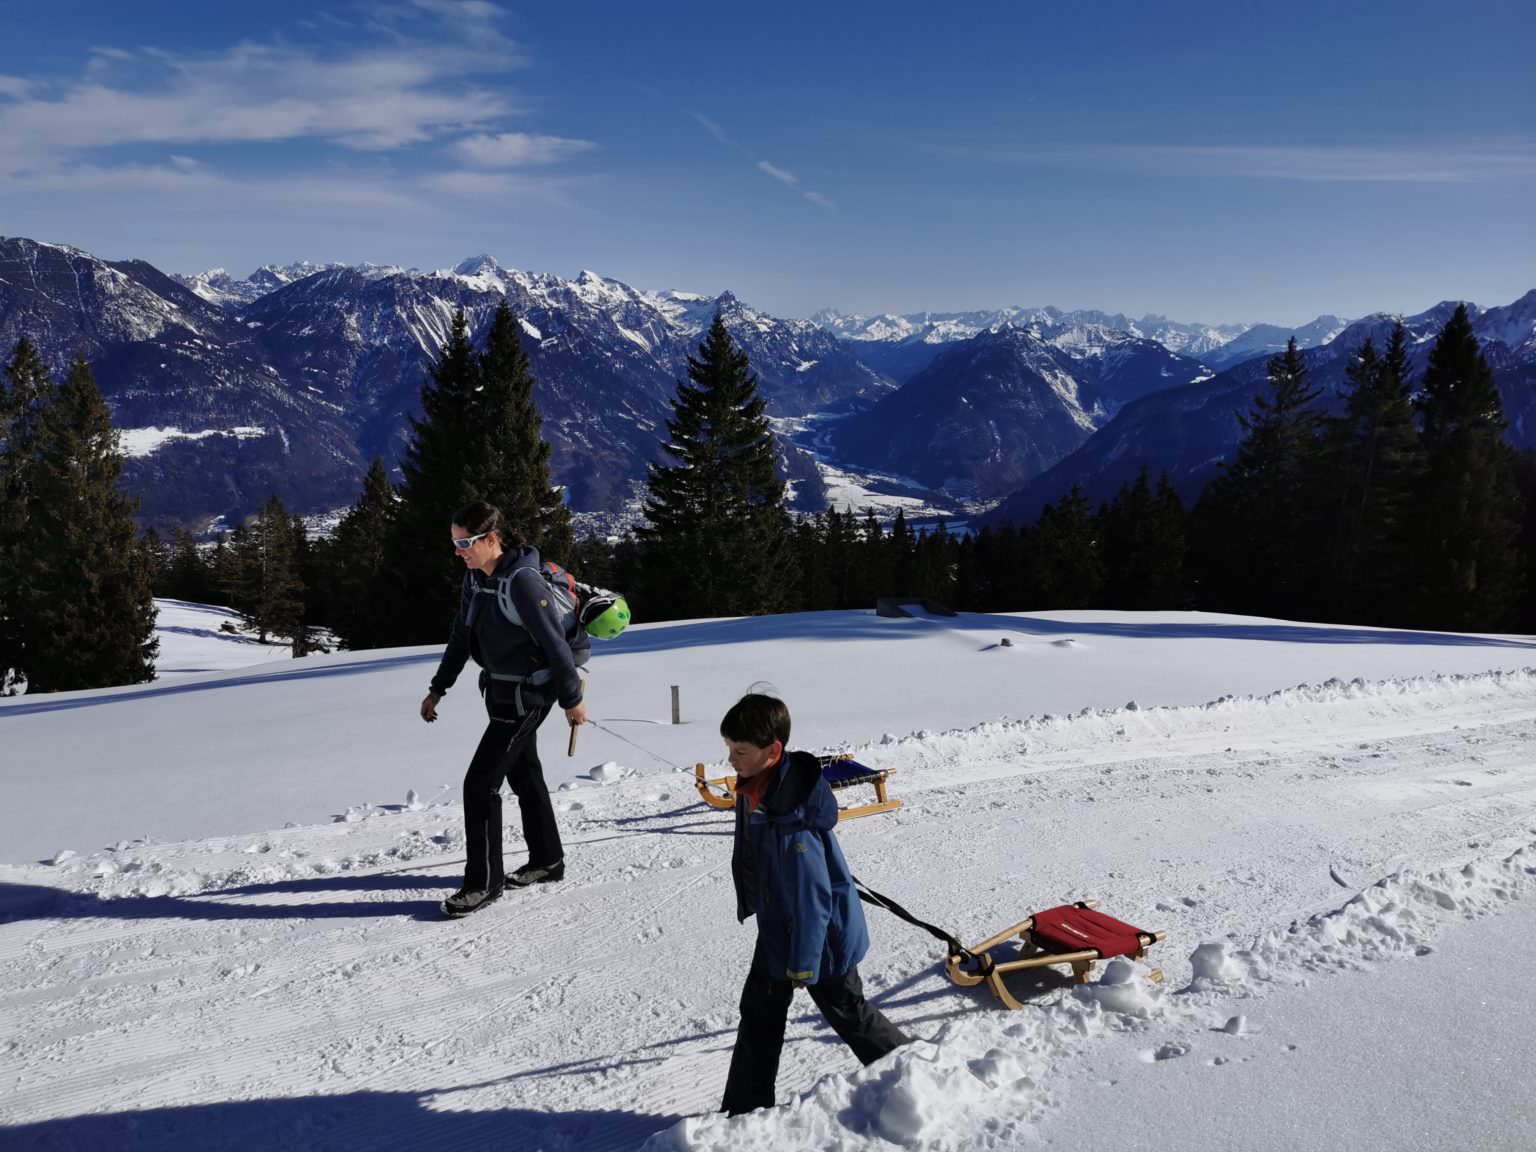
pixel 508 751
pixel 760 1035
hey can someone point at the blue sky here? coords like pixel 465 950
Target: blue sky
pixel 1213 162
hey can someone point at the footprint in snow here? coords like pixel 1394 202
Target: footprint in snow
pixel 1171 1050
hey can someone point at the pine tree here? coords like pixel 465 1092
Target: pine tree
pixel 507 455
pixel 26 388
pixel 355 568
pixel 1068 570
pixel 1256 528
pixel 425 576
pixel 840 541
pixel 900 544
pixel 717 539
pixel 86 612
pixel 274 587
pixel 186 575
pixel 1145 541
pixel 1001 573
pixel 1376 465
pixel 478 439
pixel 1470 507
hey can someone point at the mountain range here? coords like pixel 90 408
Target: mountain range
pixel 290 380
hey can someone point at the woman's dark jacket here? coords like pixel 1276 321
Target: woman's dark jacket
pixel 536 650
pixel 790 872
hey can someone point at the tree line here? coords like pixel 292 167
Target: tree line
pixel 1408 508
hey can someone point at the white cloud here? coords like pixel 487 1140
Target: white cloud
pixel 373 98
pixel 516 149
pixel 782 175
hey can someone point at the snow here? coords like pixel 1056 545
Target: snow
pixel 223 931
pixel 145 441
pixel 206 638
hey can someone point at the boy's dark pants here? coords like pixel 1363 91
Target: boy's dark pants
pixel 508 751
pixel 760 1036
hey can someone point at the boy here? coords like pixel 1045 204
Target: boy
pixel 789 870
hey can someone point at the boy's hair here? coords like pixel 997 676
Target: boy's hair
pixel 757 719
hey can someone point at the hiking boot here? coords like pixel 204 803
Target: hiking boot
pixel 465 901
pixel 537 874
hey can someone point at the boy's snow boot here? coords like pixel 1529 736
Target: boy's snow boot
pixel 463 902
pixel 537 874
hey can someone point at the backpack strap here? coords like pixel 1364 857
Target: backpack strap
pixel 504 594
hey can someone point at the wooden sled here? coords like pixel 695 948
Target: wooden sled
pixel 1073 934
pixel 840 772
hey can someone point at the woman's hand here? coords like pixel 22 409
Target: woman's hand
pixel 578 714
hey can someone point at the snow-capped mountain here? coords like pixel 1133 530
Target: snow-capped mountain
pixel 902 346
pixel 291 380
pixel 1269 339
pixel 212 427
pixel 293 390
pixel 1188 430
pixel 218 287
pixel 990 413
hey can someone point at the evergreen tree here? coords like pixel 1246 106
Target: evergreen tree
pixel 1001 570
pixel 874 560
pixel 900 545
pixel 507 456
pixel 813 591
pixel 270 579
pixel 1376 465
pixel 935 564
pixel 966 594
pixel 1144 535
pixel 717 537
pixel 308 557
pixel 1525 473
pixel 592 561
pixel 27 386
pixel 227 568
pixel 186 575
pixel 1256 528
pixel 355 569
pixel 157 552
pixel 1470 508
pixel 840 543
pixel 1068 570
pixel 478 439
pixel 425 574
pixel 86 612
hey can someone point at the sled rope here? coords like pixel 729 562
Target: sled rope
pixel 632 744
pixel 956 949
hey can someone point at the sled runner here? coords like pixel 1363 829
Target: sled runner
pixel 840 772
pixel 1074 934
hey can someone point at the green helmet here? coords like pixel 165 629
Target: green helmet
pixel 609 623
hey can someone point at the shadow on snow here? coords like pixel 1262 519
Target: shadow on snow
pixel 354 1120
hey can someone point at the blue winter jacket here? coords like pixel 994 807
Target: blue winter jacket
pixel 790 872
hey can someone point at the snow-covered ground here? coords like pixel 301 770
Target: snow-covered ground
pixel 206 638
pixel 219 928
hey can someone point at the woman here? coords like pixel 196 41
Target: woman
pixel 527 667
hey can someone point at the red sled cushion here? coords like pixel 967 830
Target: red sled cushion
pixel 1069 928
